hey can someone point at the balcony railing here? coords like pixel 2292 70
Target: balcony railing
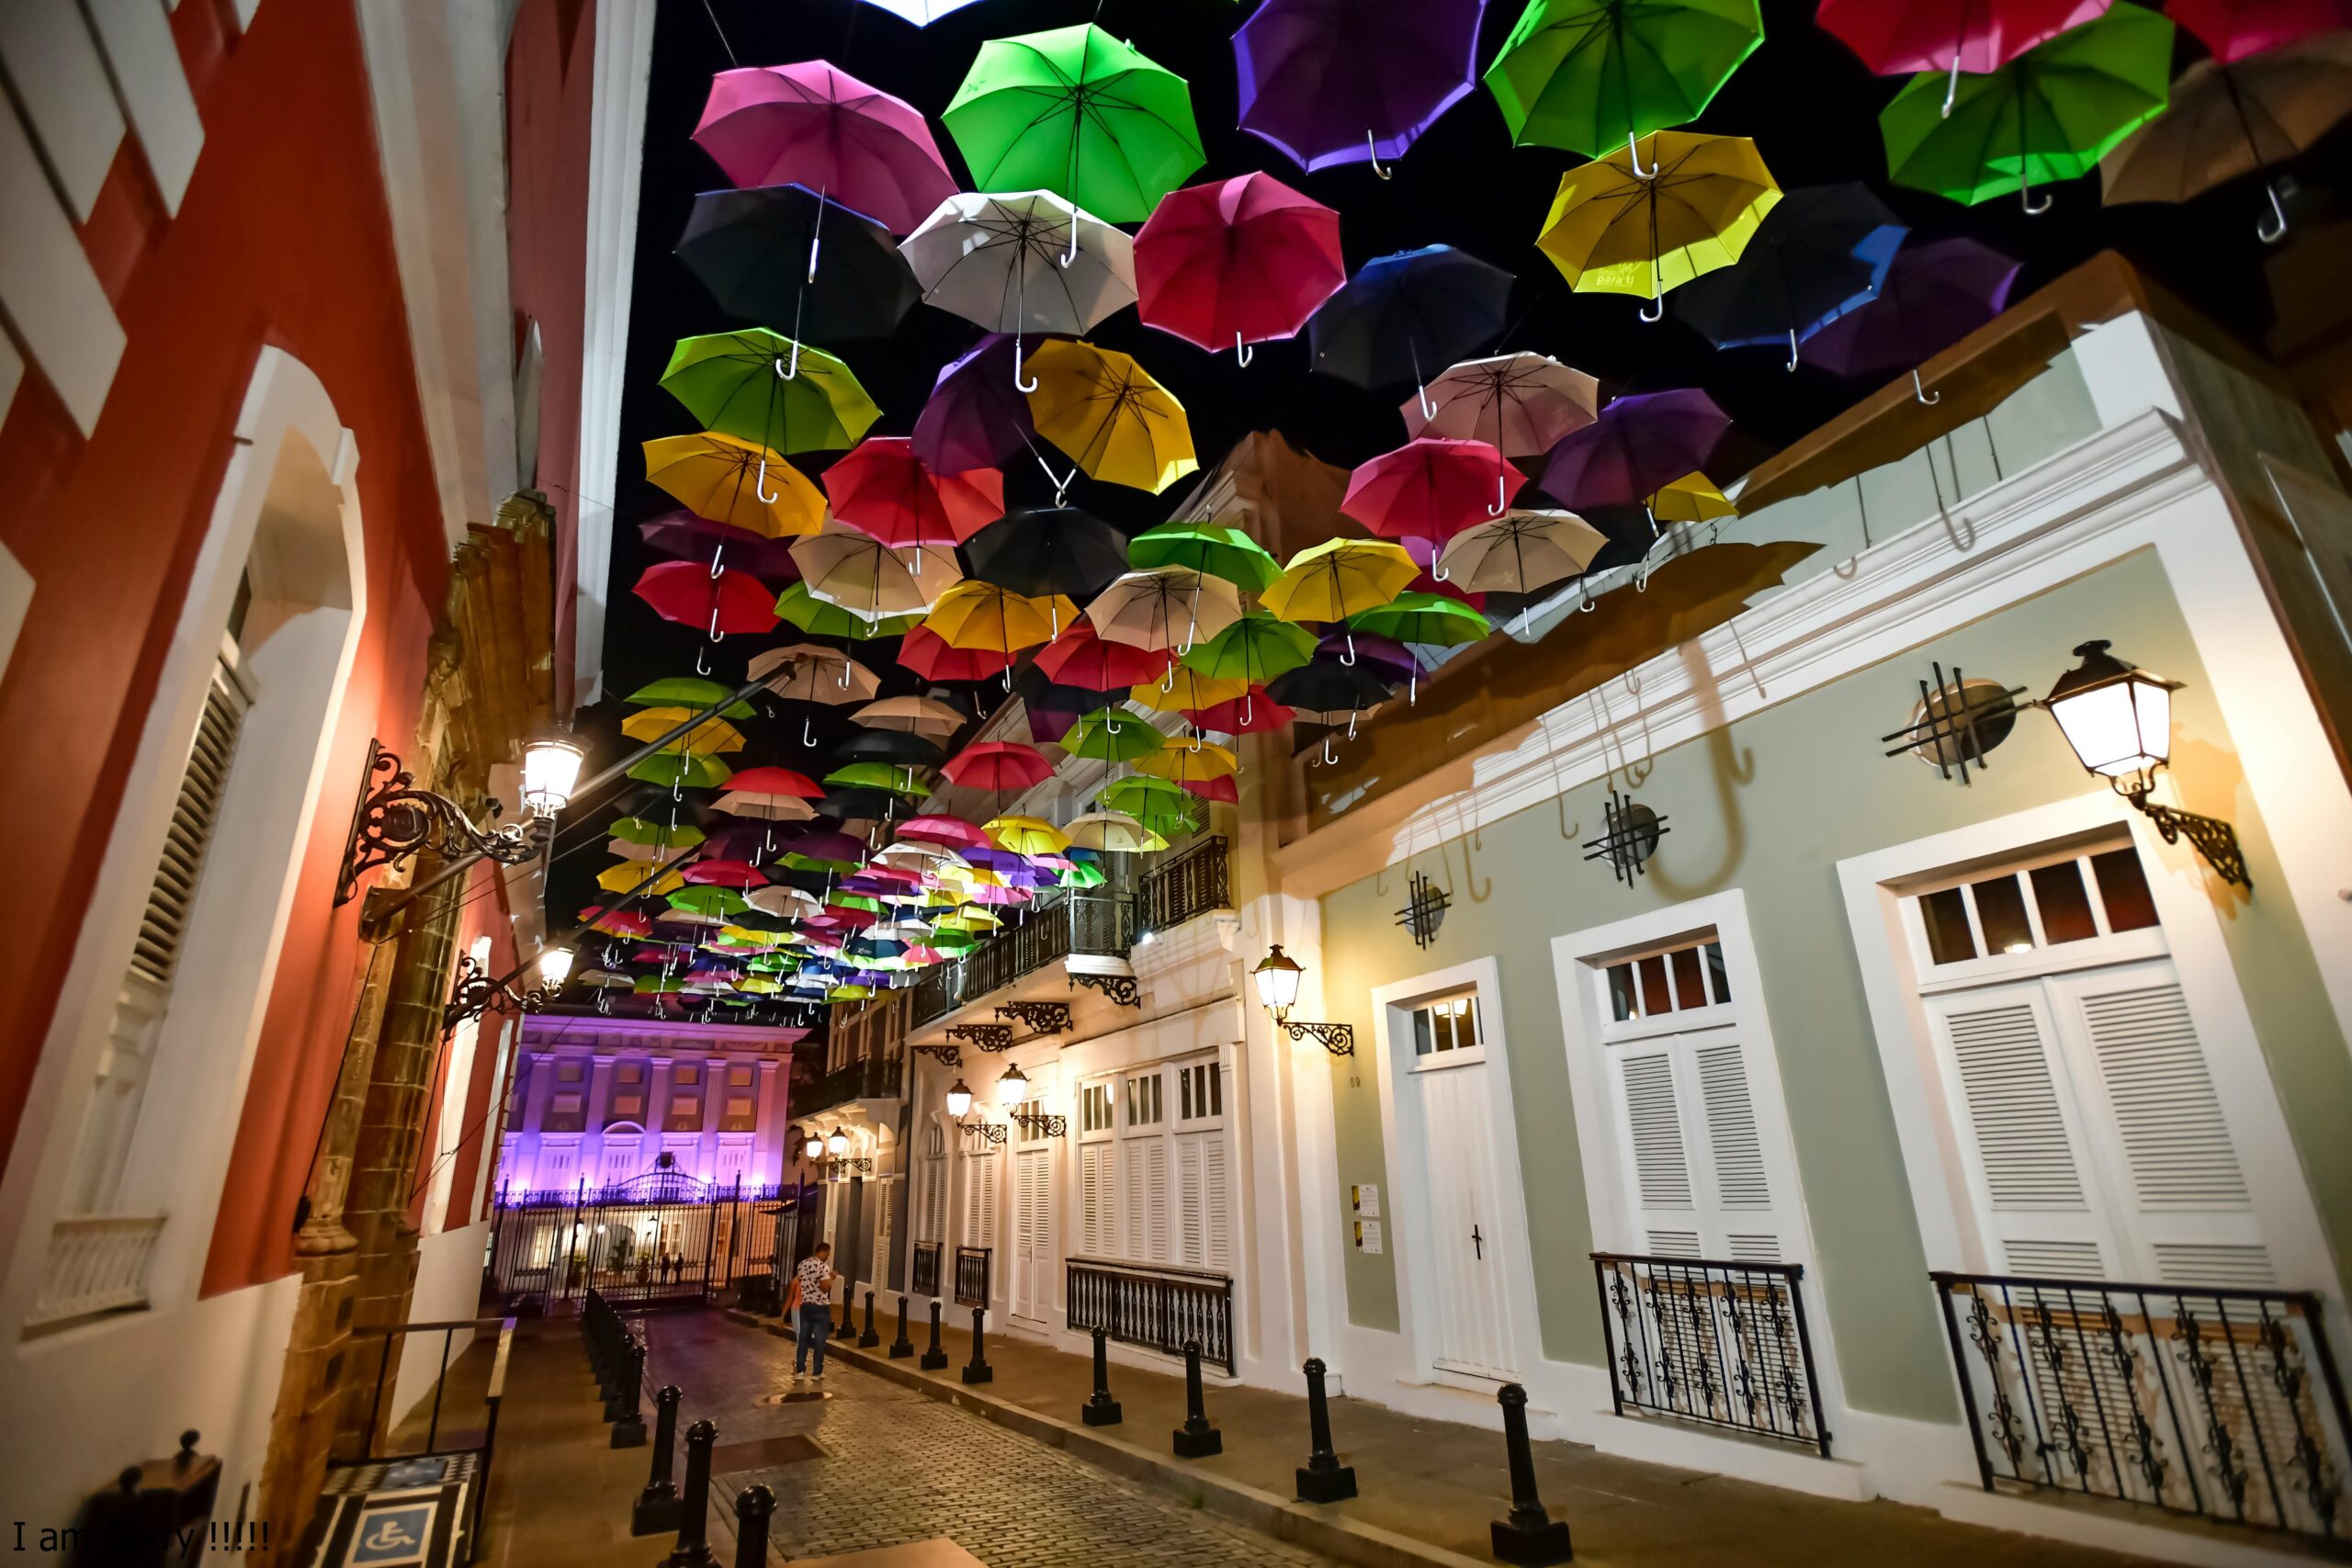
pixel 1716 1343
pixel 925 1281
pixel 972 1276
pixel 1159 1309
pixel 1054 926
pixel 2224 1404
pixel 1190 882
pixel 868 1078
pixel 96 1263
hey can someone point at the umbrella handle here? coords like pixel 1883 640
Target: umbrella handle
pixel 1919 391
pixel 1584 606
pixel 817 234
pixel 1437 569
pixel 1069 257
pixel 717 554
pixel 1352 714
pixel 702 664
pixel 1633 152
pixel 1428 409
pixel 1329 756
pixel 1249 706
pixel 1372 156
pixel 808 732
pixel 716 635
pixel 760 488
pixel 1413 687
pixel 1243 353
pixel 1349 658
pixel 2032 208
pixel 1655 310
pixel 1502 500
pixel 1018 384
pixel 2271 234
pixel 845 671
pixel 787 372
pixel 1951 93
pixel 1793 351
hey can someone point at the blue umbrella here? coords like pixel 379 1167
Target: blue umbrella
pixel 1405 317
pixel 1822 252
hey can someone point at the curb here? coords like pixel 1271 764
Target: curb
pixel 1282 1518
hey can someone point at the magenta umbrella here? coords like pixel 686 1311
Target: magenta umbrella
pixel 1236 261
pixel 682 535
pixel 812 124
pixel 1638 446
pixel 1353 81
pixel 2234 30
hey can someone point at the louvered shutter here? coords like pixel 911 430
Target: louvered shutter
pixel 1154 1198
pixel 1098 1224
pixel 1664 1210
pixel 1217 1203
pixel 203 784
pixel 1707 1176
pixel 989 1166
pixel 1191 1237
pixel 1131 1199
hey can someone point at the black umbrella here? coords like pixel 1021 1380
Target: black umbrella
pixel 1048 549
pixel 1821 253
pixel 752 249
pixel 1326 685
pixel 1405 317
pixel 851 805
pixel 891 746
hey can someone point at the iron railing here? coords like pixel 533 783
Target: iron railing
pixel 1159 1309
pixel 867 1077
pixel 470 1453
pixel 972 1276
pixel 97 1263
pixel 1194 880
pixel 925 1278
pixel 1051 928
pixel 658 1239
pixel 2221 1404
pixel 1717 1344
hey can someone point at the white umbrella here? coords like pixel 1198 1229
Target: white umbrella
pixel 1026 262
pixel 1520 552
pixel 916 715
pixel 1113 832
pixel 868 578
pixel 1519 402
pixel 782 901
pixel 767 807
pixel 922 13
pixel 1169 606
pixel 811 672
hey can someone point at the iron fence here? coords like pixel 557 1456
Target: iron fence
pixel 1159 1309
pixel 1193 881
pixel 925 1277
pixel 2221 1404
pixel 469 1450
pixel 659 1239
pixel 867 1077
pixel 1718 1344
pixel 972 1276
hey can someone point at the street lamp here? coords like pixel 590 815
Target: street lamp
pixel 1012 1089
pixel 2116 718
pixel 959 1099
pixel 815 1147
pixel 837 1143
pixel 1277 975
pixel 476 993
pixel 550 770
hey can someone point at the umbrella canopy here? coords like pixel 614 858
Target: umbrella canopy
pixel 1184 689
pixel 1051 549
pixel 727 480
pixel 1689 206
pixel 1212 547
pixel 1166 607
pixel 999 765
pixel 1590 76
pixel 814 125
pixel 927 654
pixel 1025 835
pixel 1252 650
pixel 1254 712
pixel 1237 262
pixel 936 828
pixel 982 614
pixel 997 260
pixel 733 874
pixel 2049 115
pixel 811 672
pixel 884 489
pixel 682 535
pixel 1339 578
pixel 2233 29
pixel 1429 618
pixel 732 601
pixel 1113 735
pixel 1104 409
pixel 1112 832
pixel 1430 489
pixel 1934 295
pixel 671 836
pixel 686 690
pixel 1896 38
pixel 1190 761
pixel 1077 112
pixel 1402 316
pixel 1080 658
pixel 1637 447
pixel 895 778
pixel 759 253
pixel 1822 250
pixel 893 746
pixel 869 578
pixel 2227 122
pixel 1521 552
pixel 708 738
pixel 674 769
pixel 975 416
pixel 763 807
pixel 1353 81
pixel 639 876
pixel 1142 796
pixel 1521 403
pixel 917 715
pixel 1383 656
pixel 820 617
pixel 760 386
pixel 1693 498
pixel 1328 686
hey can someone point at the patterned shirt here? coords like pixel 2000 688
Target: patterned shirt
pixel 816 1279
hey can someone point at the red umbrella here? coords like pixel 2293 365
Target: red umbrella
pixel 1237 262
pixel 809 124
pixel 931 656
pixel 622 922
pixel 725 873
pixel 1432 489
pixel 953 831
pixel 683 592
pixel 1223 789
pixel 775 781
pixel 1079 657
pixel 2232 30
pixel 1896 38
pixel 1242 715
pixel 882 489
pixel 999 765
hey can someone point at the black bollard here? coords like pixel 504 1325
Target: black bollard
pixel 848 1330
pixel 1322 1479
pixel 754 1506
pixel 628 1429
pixel 692 1549
pixel 936 1356
pixel 867 1340
pixel 656 1509
pixel 901 1346
pixel 1195 1438
pixel 978 1369
pixel 1530 1536
pixel 1101 1409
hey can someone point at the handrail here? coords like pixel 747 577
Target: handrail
pixel 1713 1342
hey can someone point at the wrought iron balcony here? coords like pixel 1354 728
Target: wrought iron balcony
pixel 1189 883
pixel 2219 1403
pixel 1159 1309
pixel 972 1276
pixel 925 1279
pixel 1713 1343
pixel 1054 926
pixel 868 1078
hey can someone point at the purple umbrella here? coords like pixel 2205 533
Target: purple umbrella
pixel 1353 81
pixel 685 536
pixel 1383 656
pixel 976 417
pixel 1638 446
pixel 1934 295
pixel 825 844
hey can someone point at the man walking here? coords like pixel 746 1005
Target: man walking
pixel 812 1287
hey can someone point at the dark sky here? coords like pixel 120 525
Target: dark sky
pixel 1806 101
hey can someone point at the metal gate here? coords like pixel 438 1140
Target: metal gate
pixel 659 1239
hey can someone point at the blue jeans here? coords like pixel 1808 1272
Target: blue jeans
pixel 816 1320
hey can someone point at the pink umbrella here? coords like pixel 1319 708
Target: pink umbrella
pixel 725 873
pixel 953 831
pixel 811 124
pixel 1432 489
pixel 2233 29
pixel 1236 261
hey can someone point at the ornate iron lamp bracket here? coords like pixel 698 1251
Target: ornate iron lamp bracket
pixel 987 1131
pixel 989 1037
pixel 476 993
pixel 1043 1018
pixel 2209 836
pixel 947 1056
pixel 1121 989
pixel 392 819
pixel 1035 1123
pixel 1339 1039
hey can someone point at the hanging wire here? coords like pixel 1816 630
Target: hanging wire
pixel 721 32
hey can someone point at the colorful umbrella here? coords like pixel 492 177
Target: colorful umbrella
pixel 1104 410
pixel 672 836
pixel 997 765
pixel 1254 712
pixel 760 386
pixel 747 248
pixel 1079 657
pixel 820 618
pixel 1184 688
pixel 1590 76
pixel 1339 578
pixel 708 738
pixel 976 417
pixel 639 876
pixel 735 873
pixel 811 672
pixel 1430 489
pixel 868 578
pixel 1075 111
pixel 1192 760
pixel 1212 547
pixel 1934 295
pixel 1353 81
pixel 1025 835
pixel 1637 447
pixel 1166 607
pixel 1055 550
pixel 1027 262
pixel 2234 30
pixel 2049 115
pixel 936 828
pixel 1254 651
pixel 689 691
pixel 1403 316
pixel 1431 619
pixel 1141 795
pixel 883 489
pixel 1240 261
pixel 891 777
pixel 814 125
pixel 727 480
pixel 764 806
pixel 928 655
pixel 917 715
pixel 1112 832
pixel 1521 552
pixel 1328 687
pixel 1113 735
pixel 893 746
pixel 732 601
pixel 1693 498
pixel 677 771
pixel 682 535
pixel 1896 38
pixel 982 614
pixel 1617 228
pixel 1822 252
pixel 1521 403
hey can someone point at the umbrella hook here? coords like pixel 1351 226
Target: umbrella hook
pixel 1372 156
pixel 1437 569
pixel 1018 384
pixel 760 486
pixel 678 784
pixel 1242 353
pixel 1502 500
pixel 1069 257
pixel 845 671
pixel 1330 757
pixel 1353 715
pixel 1349 658
pixel 787 372
pixel 2271 233
pixel 1413 687
pixel 1249 706
pixel 1919 391
pixel 1951 93
pixel 1633 150
pixel 717 554
pixel 1793 351
pixel 808 732
pixel 702 660
pixel 2032 208
pixel 716 635
pixel 1655 310
pixel 1428 409
pixel 1197 741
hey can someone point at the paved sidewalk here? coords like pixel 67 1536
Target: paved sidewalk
pixel 1441 1483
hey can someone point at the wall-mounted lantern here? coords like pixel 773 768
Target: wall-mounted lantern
pixel 476 993
pixel 1277 975
pixel 394 819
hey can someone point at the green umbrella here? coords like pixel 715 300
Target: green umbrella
pixel 890 776
pixel 1080 875
pixel 1255 648
pixel 820 618
pixel 958 941
pixel 1590 76
pixel 855 901
pixel 709 901
pixel 1426 618
pixel 796 862
pixel 638 830
pixel 1140 794
pixel 687 691
pixel 1210 548
pixel 1076 112
pixel 759 386
pixel 679 771
pixel 2049 115
pixel 648 986
pixel 1111 735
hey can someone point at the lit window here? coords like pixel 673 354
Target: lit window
pixel 1450 1023
pixel 1679 979
pixel 2071 898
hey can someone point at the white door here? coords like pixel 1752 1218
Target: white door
pixel 618 1159
pixel 1472 1330
pixel 734 1163
pixel 1033 1234
pixel 559 1165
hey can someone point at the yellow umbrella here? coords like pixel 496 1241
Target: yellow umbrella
pixel 1689 206
pixel 731 480
pixel 630 875
pixel 968 919
pixel 1187 690
pixel 1190 762
pixel 1339 578
pixel 1026 834
pixel 1693 498
pixel 1113 832
pixel 1107 412
pixel 706 738
pixel 982 615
